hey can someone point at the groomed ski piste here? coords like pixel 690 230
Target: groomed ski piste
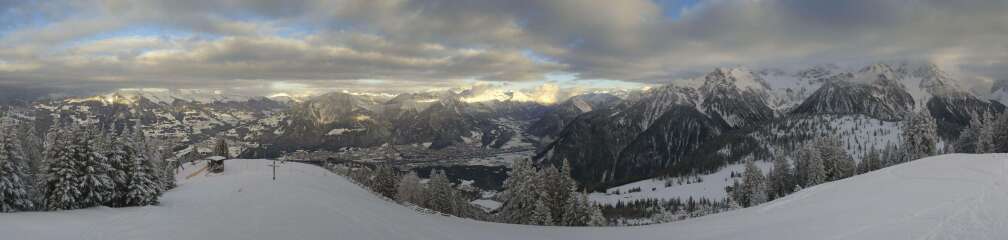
pixel 954 196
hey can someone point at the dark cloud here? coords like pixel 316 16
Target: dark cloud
pixel 216 43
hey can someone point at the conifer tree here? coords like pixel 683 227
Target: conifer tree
pixel 870 162
pixel 595 217
pixel 123 164
pixel 573 212
pixel 836 162
pixel 62 173
pixel 143 186
pixel 999 134
pixel 441 193
pixel 14 185
pixel 811 171
pixel 780 178
pixel 385 181
pixel 521 193
pixel 77 173
pixel 968 138
pixel 566 193
pixel 541 214
pixel 985 135
pixel 556 188
pixel 95 181
pixel 753 185
pixel 154 150
pixel 920 135
pixel 33 147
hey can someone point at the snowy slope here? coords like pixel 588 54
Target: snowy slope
pixel 712 187
pixel 944 197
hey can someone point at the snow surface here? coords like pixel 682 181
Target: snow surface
pixel 712 187
pixel 945 197
pixel 487 204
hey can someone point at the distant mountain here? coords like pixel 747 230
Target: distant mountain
pixel 875 91
pixel 657 129
pixel 329 121
pixel 185 117
pixel 556 117
pixel 688 126
pixel 732 114
pixel 437 120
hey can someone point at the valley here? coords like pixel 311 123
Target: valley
pixel 675 143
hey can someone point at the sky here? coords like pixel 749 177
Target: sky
pixel 262 47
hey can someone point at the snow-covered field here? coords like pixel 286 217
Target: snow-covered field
pixel 712 187
pixel 944 197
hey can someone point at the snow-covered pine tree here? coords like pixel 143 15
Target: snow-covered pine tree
pixel 32 145
pixel 409 189
pixel 385 181
pixel 568 191
pixel 753 185
pixel 810 169
pixel 780 178
pixel 736 195
pixel 77 176
pixel 96 185
pixel 520 193
pixel 573 213
pixel 62 171
pixel 155 151
pixel 985 134
pixel 870 162
pixel 920 136
pixel 15 189
pixel 967 141
pixel 836 162
pixel 143 185
pixel 556 187
pixel 541 214
pixel 580 211
pixel 999 134
pixel 441 193
pixel 595 217
pixel 122 164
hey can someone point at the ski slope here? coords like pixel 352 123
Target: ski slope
pixel 943 197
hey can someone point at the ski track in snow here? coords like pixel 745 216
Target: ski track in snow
pixel 946 197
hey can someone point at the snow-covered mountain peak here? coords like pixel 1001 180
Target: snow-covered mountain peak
pixel 934 80
pixel 876 73
pixel 163 96
pixel 507 95
pixel 742 79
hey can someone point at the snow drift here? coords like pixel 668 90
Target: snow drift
pixel 944 197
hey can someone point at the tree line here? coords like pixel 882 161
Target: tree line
pixel 825 159
pixel 986 133
pixel 531 195
pixel 77 166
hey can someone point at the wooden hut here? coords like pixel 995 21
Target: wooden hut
pixel 215 163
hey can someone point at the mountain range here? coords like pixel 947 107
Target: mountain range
pixel 684 127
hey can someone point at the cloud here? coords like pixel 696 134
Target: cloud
pixel 353 43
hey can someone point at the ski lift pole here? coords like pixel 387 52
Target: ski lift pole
pixel 274 169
